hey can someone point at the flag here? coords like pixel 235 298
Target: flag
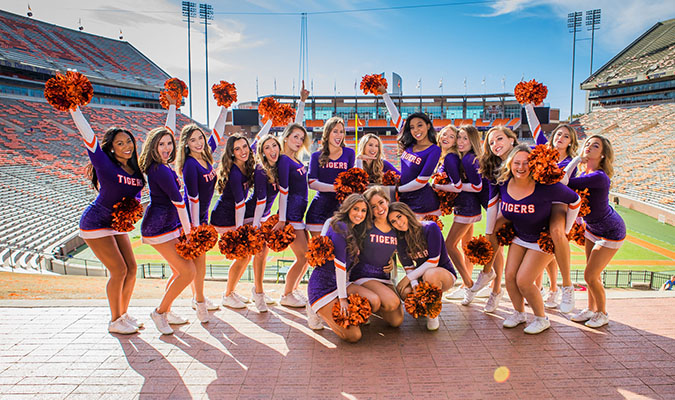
pixel 419 83
pixel 440 83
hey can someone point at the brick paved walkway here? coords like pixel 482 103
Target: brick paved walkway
pixel 65 352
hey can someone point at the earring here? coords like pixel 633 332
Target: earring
pixel 112 151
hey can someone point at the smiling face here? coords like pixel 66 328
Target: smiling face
pixel 593 149
pixel 358 212
pixel 380 207
pixel 419 129
pixel 295 140
pixel 165 147
pixel 463 142
pixel 500 144
pixel 123 147
pixel 561 139
pixel 372 148
pixel 337 135
pixel 271 150
pixel 446 139
pixel 196 142
pixel 398 221
pixel 519 165
pixel 241 151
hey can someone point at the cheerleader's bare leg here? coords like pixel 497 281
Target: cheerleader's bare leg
pixel 197 284
pixel 351 334
pixel 532 264
pixel 391 309
pixel 457 231
pixel 562 244
pixel 259 261
pixel 237 269
pixel 184 273
pixel 299 267
pixel 124 244
pixel 597 258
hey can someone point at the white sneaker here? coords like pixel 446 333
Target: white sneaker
pixel 493 301
pixel 313 321
pixel 203 313
pixel 132 321
pixel 484 292
pixel 514 319
pixel 538 325
pixel 583 315
pixel 599 319
pixel 567 303
pixel 161 322
pixel 299 294
pixel 122 326
pixel 269 300
pixel 433 324
pixel 291 300
pixel 209 304
pixel 483 280
pixel 175 319
pixel 552 299
pixel 232 301
pixel 469 294
pixel 457 294
pixel 241 298
pixel 259 300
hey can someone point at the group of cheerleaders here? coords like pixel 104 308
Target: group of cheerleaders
pixel 367 229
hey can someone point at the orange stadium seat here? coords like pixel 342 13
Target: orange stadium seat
pixel 378 123
pixel 441 123
pixel 314 123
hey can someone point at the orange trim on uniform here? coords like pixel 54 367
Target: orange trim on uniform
pixel 282 191
pixel 572 206
pixel 476 187
pixel 179 205
pixel 261 202
pixel 493 203
pixel 239 206
pixel 170 130
pixel 90 145
pixel 194 200
pixel 162 234
pixel 422 181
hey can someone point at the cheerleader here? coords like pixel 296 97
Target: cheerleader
pixel 324 167
pixel 371 159
pixel 376 260
pixel 564 140
pixel 420 155
pixel 235 178
pixel 421 249
pixel 293 193
pixel 527 204
pixel 164 218
pixel 605 229
pixel 115 173
pixel 328 284
pixel 259 206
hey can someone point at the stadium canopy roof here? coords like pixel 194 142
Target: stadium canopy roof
pixel 34 45
pixel 651 56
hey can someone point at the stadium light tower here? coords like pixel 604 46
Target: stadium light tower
pixel 574 26
pixel 592 24
pixel 206 14
pixel 189 12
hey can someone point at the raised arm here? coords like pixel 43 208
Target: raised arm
pixel 396 119
pixel 171 118
pixel 218 131
pixel 300 113
pixel 85 129
pixel 535 126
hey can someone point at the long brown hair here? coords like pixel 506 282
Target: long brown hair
pixel 107 147
pixel 149 154
pixel 607 162
pixel 325 143
pixel 414 236
pixel 272 171
pixel 227 161
pixel 355 234
pixel 374 167
pixel 573 147
pixel 490 162
pixel 183 150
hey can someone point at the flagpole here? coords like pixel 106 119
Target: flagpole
pixel 356 130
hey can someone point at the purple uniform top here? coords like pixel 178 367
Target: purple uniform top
pixel 161 216
pixel 292 188
pixel 450 167
pixel 597 183
pixel 416 169
pixel 331 277
pixel 322 178
pixel 264 193
pixel 386 167
pixel 229 209
pixel 378 247
pixel 114 182
pixel 199 184
pixel 436 254
pixel 530 215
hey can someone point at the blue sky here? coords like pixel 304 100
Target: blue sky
pixel 499 39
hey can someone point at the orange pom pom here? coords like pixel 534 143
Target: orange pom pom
pixel 125 214
pixel 424 301
pixel 320 250
pixel 585 207
pixel 359 311
pixel 176 88
pixel 530 92
pixel 285 115
pixel 446 199
pixel 240 243
pixel 353 180
pixel 479 250
pixel 391 178
pixel 505 234
pixel 205 235
pixel 277 240
pixel 267 108
pixel 434 218
pixel 545 243
pixel 66 92
pixel 370 83
pixel 577 234
pixel 188 249
pixel 225 93
pixel 543 164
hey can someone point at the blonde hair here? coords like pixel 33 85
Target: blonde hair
pixel 489 162
pixel 505 170
pixel 573 147
pixel 271 170
pixel 149 154
pixel 183 150
pixel 307 142
pixel 328 127
pixel 227 160
pixel 374 167
pixel 607 161
pixel 452 149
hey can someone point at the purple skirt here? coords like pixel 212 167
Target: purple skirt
pixel 321 282
pixel 158 220
pixel 295 209
pixel 611 227
pixel 95 217
pixel 323 206
pixel 362 270
pixel 421 201
pixel 467 204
